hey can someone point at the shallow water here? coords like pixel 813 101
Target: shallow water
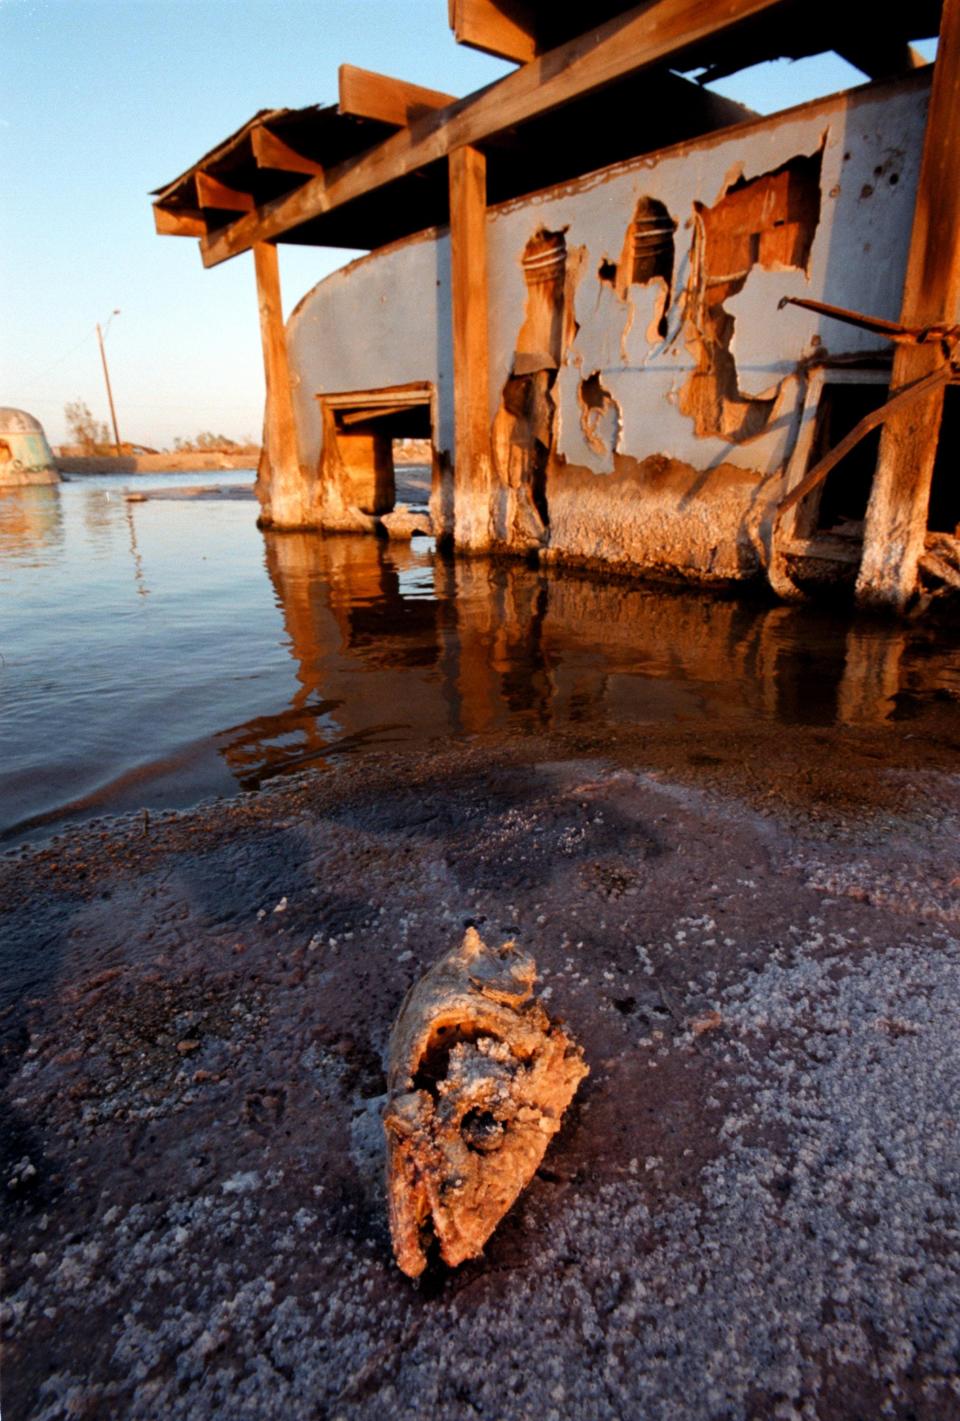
pixel 157 653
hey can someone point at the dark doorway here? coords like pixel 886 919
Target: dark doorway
pixel 846 489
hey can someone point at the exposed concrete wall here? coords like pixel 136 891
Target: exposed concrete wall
pixel 653 423
pixel 658 514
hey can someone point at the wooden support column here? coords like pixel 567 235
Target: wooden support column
pixel 280 487
pixel 897 514
pixel 468 278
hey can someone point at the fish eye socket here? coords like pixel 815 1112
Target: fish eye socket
pixel 482 1131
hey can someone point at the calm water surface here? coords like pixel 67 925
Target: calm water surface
pixel 160 652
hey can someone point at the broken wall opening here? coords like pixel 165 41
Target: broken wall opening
pixel 599 415
pixel 362 432
pixel 649 251
pixel 769 221
pixel 524 429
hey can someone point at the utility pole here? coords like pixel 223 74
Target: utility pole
pixel 106 376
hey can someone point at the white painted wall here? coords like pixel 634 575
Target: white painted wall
pixel 382 320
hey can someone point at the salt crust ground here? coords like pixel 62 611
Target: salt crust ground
pixel 751 1212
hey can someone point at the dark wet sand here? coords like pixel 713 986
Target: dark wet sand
pixel 752 1215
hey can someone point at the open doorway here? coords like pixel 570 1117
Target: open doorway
pixel 384 447
pixel 837 507
pixel 845 492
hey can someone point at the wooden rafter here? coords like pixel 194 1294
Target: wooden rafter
pixel 505 28
pixel 648 35
pixel 365 94
pixel 212 193
pixel 269 151
pixel 178 224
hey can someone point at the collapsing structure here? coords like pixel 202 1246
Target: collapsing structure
pixel 640 326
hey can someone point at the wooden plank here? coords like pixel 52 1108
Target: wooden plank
pixel 286 493
pixel 505 28
pixel 178 224
pixel 897 512
pixel 213 193
pixel 415 392
pixel 365 94
pixel 471 415
pixel 269 151
pixel 376 412
pixel 648 35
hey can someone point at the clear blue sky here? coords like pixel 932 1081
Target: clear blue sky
pixel 103 100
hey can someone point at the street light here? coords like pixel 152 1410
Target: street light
pixel 106 376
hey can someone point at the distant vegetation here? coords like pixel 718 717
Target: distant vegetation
pixel 88 436
pixel 208 443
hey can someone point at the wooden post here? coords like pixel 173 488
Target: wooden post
pixel 897 514
pixel 468 276
pixel 279 483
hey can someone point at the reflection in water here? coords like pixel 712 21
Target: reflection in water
pixel 141 586
pixel 308 648
pixel 871 677
pixel 30 519
pixel 102 509
pixel 395 644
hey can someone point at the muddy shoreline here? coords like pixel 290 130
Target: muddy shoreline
pixel 751 1210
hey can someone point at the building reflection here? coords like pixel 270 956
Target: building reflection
pixel 31 519
pixel 395 644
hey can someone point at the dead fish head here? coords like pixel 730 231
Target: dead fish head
pixel 479 1078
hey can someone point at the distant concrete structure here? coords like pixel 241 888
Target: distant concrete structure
pixel 25 455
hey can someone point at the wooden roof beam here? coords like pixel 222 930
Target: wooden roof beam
pixel 177 224
pixel 504 28
pixel 650 34
pixel 212 193
pixel 271 152
pixel 365 94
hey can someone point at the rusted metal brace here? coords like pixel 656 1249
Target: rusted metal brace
pixel 949 373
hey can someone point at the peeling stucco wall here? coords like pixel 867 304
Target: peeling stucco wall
pixel 637 470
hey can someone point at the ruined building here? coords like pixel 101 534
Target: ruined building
pixel 640 326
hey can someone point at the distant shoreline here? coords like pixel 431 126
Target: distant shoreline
pixel 417 451
pixel 177 463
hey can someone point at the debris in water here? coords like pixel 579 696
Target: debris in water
pixel 478 1080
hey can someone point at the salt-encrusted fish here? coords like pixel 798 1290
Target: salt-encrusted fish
pixel 478 1080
